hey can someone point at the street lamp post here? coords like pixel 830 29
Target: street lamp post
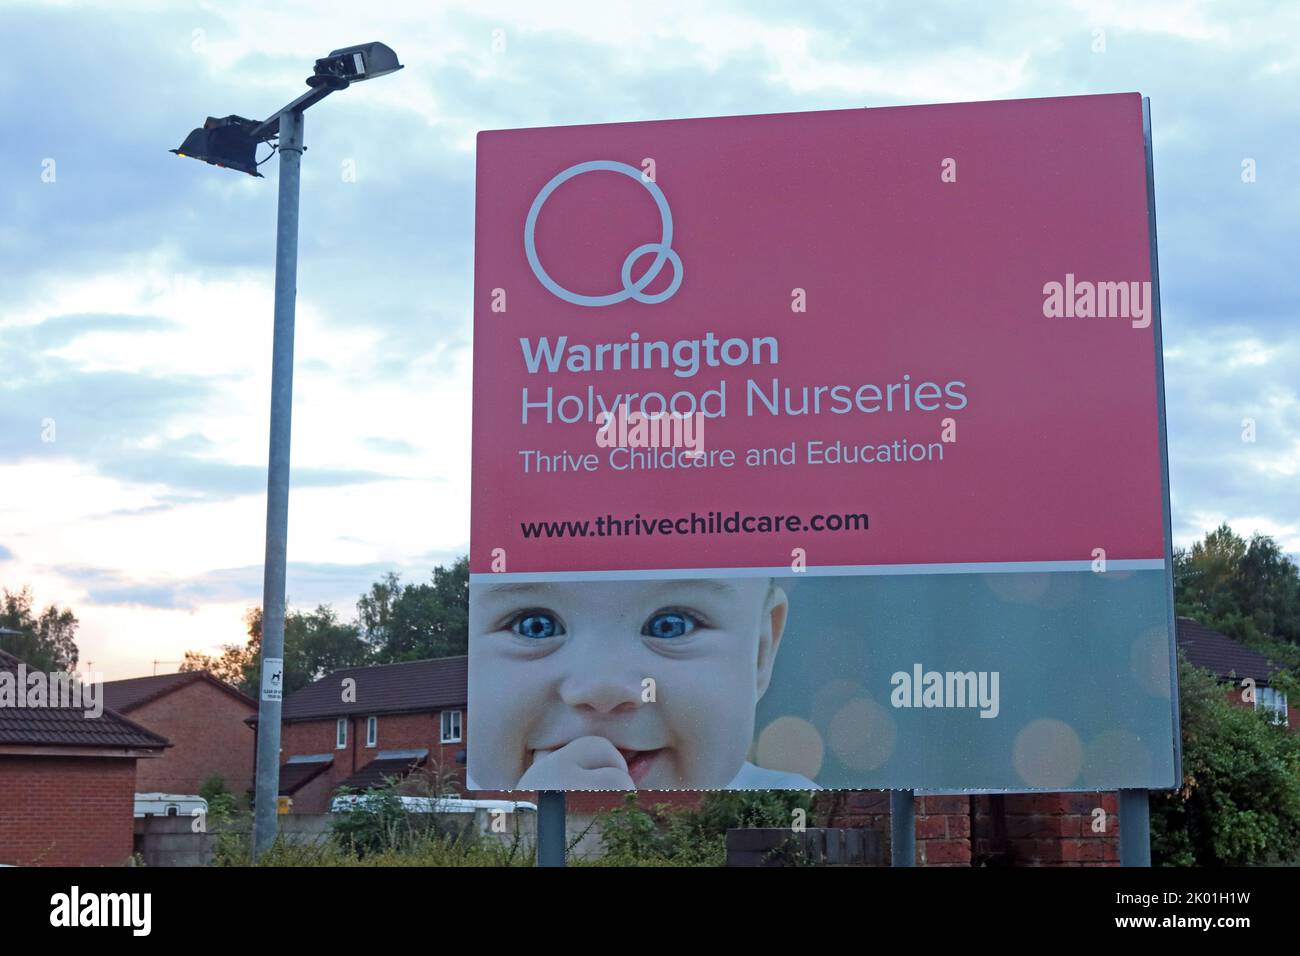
pixel 232 143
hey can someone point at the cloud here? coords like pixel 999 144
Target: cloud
pixel 1234 423
pixel 386 267
pixel 219 479
pixel 64 329
pixel 308 584
pixel 111 420
pixel 93 413
pixel 390 446
pixel 90 183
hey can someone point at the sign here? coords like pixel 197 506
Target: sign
pixel 272 678
pixel 821 450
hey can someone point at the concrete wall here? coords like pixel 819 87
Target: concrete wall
pixel 174 841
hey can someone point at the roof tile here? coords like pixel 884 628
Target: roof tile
pixel 373 773
pixel 294 776
pixel 1221 655
pixel 407 687
pixel 125 696
pixel 70 726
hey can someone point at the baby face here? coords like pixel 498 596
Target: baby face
pixel 560 692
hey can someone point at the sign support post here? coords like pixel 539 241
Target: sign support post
pixel 550 828
pixel 1134 828
pixel 902 828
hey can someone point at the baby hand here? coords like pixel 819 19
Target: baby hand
pixel 588 763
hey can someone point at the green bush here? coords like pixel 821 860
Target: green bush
pixel 232 841
pixel 423 851
pixel 379 831
pixel 725 810
pixel 380 823
pixel 1240 799
pixel 660 835
pixel 222 805
pixel 212 787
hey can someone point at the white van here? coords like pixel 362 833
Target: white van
pixel 169 805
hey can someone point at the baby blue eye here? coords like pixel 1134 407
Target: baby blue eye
pixel 537 624
pixel 669 624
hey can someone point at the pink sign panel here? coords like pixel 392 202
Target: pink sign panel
pixel 851 307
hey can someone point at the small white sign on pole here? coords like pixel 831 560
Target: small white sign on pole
pixel 272 678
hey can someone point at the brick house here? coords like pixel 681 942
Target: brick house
pixel 68 783
pixel 1233 662
pixel 361 724
pixel 203 717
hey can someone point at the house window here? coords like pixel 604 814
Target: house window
pixel 1273 702
pixel 451 726
pixel 341 733
pixel 372 731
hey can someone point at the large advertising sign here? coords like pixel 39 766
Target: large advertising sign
pixel 821 450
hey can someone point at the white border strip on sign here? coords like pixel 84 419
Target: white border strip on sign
pixel 813 571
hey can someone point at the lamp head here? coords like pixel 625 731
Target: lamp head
pixel 350 64
pixel 225 141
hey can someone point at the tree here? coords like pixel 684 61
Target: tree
pixel 46 642
pixel 1249 590
pixel 1240 798
pixel 417 621
pixel 395 622
pixel 315 644
pixel 237 664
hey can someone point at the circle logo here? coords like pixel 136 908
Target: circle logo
pixel 662 249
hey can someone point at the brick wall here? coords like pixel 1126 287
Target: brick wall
pixel 66 811
pixel 1040 829
pixel 395 732
pixel 943 835
pixel 206 727
pixel 1048 829
pixel 943 831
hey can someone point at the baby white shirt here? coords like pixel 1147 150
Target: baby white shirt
pixel 750 777
pixel 753 777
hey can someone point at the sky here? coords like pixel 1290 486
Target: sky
pixel 136 301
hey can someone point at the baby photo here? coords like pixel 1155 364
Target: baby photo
pixel 622 685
